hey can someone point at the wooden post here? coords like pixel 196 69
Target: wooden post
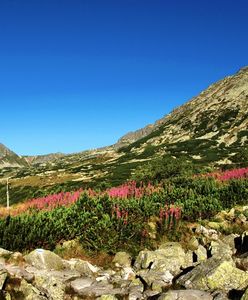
pixel 7 193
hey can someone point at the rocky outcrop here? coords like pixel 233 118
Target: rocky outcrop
pixel 205 269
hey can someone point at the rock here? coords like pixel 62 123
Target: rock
pixel 16 257
pixel 108 297
pixel 242 262
pixel 210 234
pixel 136 286
pixel 220 250
pixel 201 254
pixel 52 287
pixel 193 244
pixel 44 259
pixel 29 291
pixel 19 272
pixel 98 289
pixel 164 279
pixel 230 241
pixel 3 277
pixel 186 295
pixel 122 259
pixel 83 267
pixel 135 296
pixel 5 253
pixel 169 257
pixel 215 275
pixel 80 284
pixel 128 273
pixel 240 219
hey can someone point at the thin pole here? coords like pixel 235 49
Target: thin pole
pixel 7 192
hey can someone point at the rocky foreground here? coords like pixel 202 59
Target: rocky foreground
pixel 212 266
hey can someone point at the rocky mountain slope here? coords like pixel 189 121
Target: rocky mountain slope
pixel 210 129
pixel 10 159
pixel 211 126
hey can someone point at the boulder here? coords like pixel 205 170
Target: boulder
pixel 52 287
pixel 201 254
pixel 169 257
pixel 5 253
pixel 122 259
pixel 3 277
pixel 29 292
pixel 221 250
pixel 80 284
pixel 44 260
pixel 214 275
pixel 19 272
pixel 210 234
pixel 186 295
pixel 150 277
pixel 193 244
pixel 230 241
pixel 83 267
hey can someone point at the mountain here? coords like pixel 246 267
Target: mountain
pixel 210 129
pixel 9 159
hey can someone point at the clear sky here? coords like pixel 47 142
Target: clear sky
pixel 78 74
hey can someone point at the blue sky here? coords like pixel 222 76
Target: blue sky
pixel 79 74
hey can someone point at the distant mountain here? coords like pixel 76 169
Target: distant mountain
pixel 9 159
pixel 42 159
pixel 210 129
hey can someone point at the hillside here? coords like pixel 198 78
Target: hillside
pixel 210 129
pixel 9 159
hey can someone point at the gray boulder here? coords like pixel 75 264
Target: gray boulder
pixel 186 295
pixel 44 260
pixel 214 275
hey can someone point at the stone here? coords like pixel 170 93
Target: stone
pixel 19 272
pixel 83 267
pixel 5 253
pixel 29 291
pixel 169 257
pixel 136 286
pixel 3 277
pixel 44 260
pixel 201 254
pixel 108 297
pixel 149 277
pixel 80 284
pixel 193 244
pixel 16 257
pixel 122 259
pixel 186 295
pixel 230 241
pixel 215 275
pixel 128 273
pixel 242 262
pixel 220 250
pixel 135 296
pixel 210 234
pixel 52 287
